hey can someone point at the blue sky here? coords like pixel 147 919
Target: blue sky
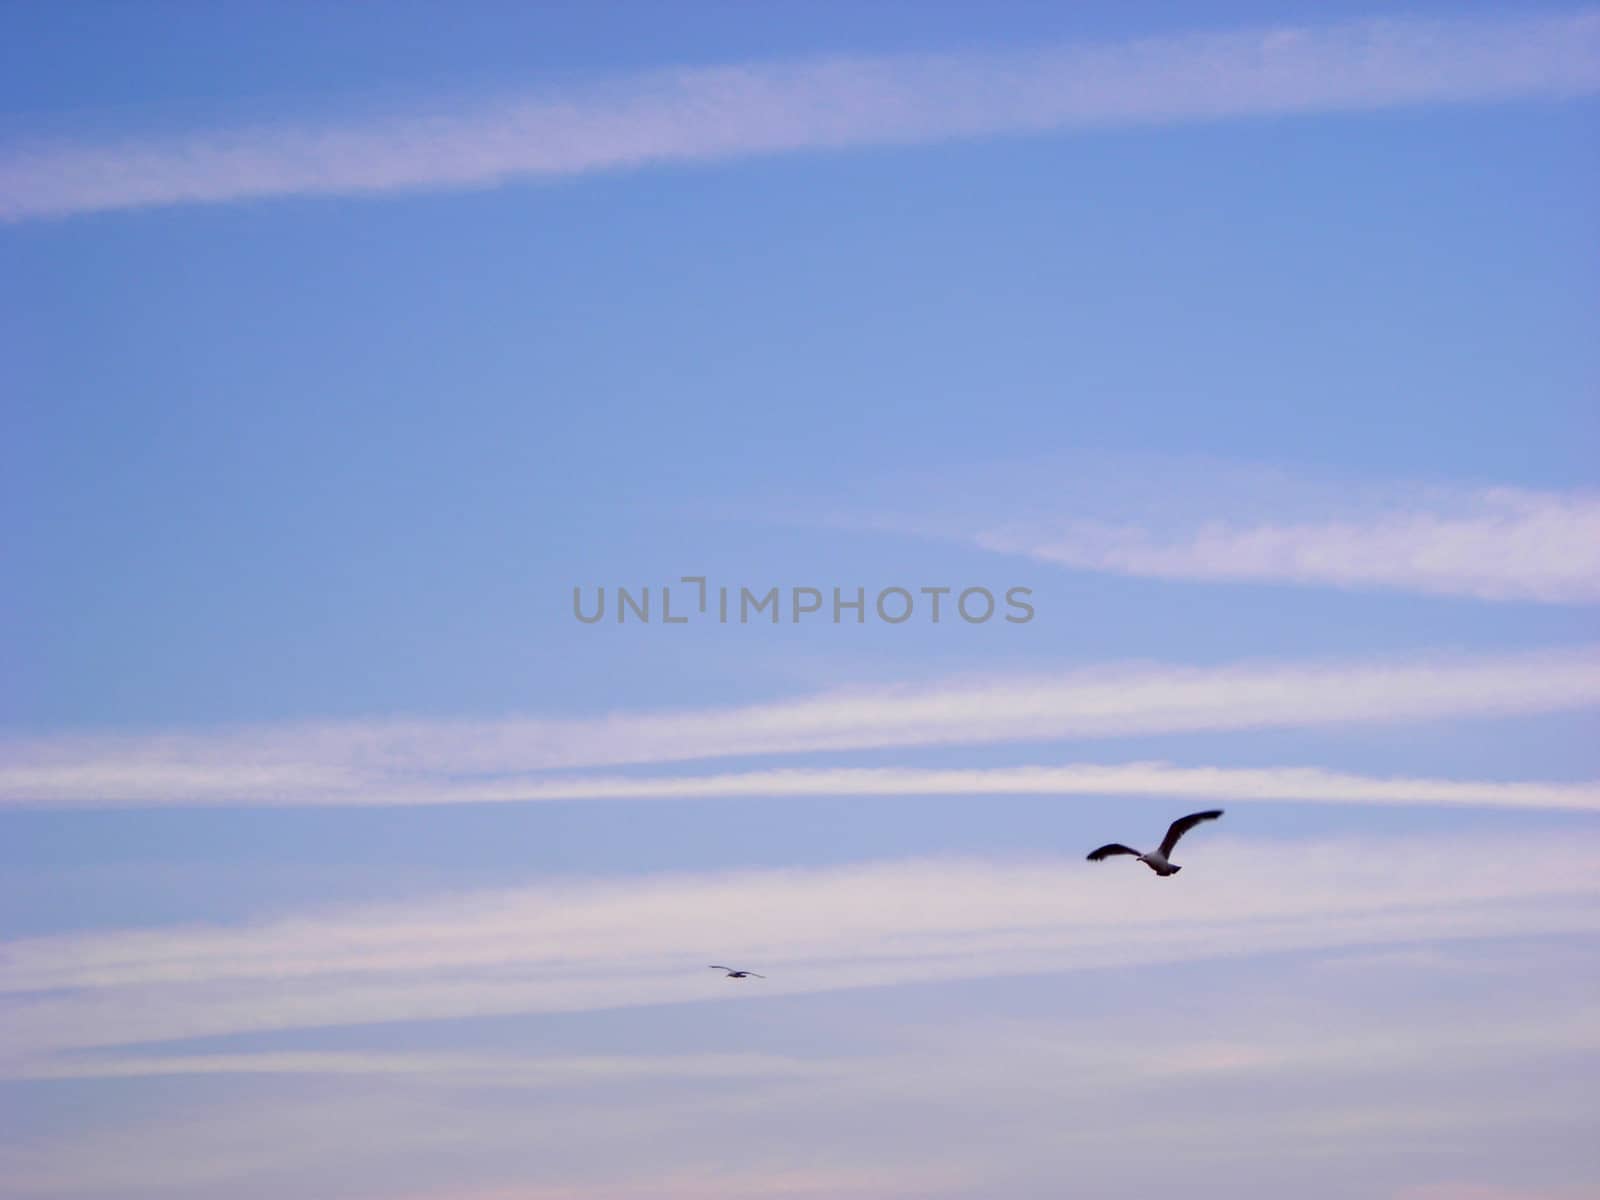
pixel 341 346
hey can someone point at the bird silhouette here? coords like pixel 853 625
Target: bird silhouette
pixel 1158 860
pixel 732 974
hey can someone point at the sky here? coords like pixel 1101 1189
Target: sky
pixel 507 506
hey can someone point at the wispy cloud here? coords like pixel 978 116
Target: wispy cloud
pixel 416 761
pixel 708 114
pixel 1498 544
pixel 438 1070
pixel 1286 1066
pixel 1235 784
pixel 586 945
pixel 1195 518
pixel 1268 1050
pixel 1305 784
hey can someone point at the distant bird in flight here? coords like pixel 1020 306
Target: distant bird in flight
pixel 1156 860
pixel 732 974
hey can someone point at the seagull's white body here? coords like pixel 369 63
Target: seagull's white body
pixel 1158 863
pixel 1157 860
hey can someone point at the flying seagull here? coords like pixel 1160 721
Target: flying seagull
pixel 1156 860
pixel 732 974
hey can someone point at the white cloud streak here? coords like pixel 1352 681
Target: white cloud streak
pixel 1267 1051
pixel 1304 784
pixel 719 113
pixel 438 1070
pixel 443 761
pixel 1501 544
pixel 904 1101
pixel 585 945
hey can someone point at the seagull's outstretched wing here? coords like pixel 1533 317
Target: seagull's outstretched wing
pixel 715 967
pixel 1182 826
pixel 753 973
pixel 1108 850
